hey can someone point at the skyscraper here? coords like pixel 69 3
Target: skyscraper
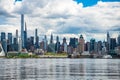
pixel 36 39
pixel 3 36
pixel 57 45
pixel 81 44
pixel 112 43
pixel 118 40
pixel 64 45
pixel 73 42
pixel 51 39
pixel 25 36
pixel 108 41
pixel 45 43
pixel 9 38
pixel 92 45
pixel 9 42
pixel 17 36
pixel 22 29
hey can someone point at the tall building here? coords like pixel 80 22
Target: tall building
pixel 17 36
pixel 51 39
pixel 92 45
pixel 10 38
pixel 3 36
pixel 9 42
pixel 57 45
pixel 22 30
pixel 81 44
pixel 4 41
pixel 25 36
pixel 73 42
pixel 36 39
pixel 45 43
pixel 64 45
pixel 108 41
pixel 112 43
pixel 118 40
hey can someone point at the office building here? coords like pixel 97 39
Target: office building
pixel 51 39
pixel 22 30
pixel 112 43
pixel 36 39
pixel 57 45
pixel 118 40
pixel 81 44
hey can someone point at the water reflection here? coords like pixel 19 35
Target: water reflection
pixel 59 69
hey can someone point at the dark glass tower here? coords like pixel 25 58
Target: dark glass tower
pixel 25 36
pixel 22 29
pixel 36 39
pixel 3 36
pixel 51 39
pixel 9 38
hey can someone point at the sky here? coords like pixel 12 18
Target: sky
pixel 65 18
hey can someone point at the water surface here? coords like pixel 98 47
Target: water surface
pixel 59 69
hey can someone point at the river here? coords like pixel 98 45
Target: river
pixel 59 69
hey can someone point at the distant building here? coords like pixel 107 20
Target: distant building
pixel 93 46
pixel 108 41
pixel 81 44
pixel 51 39
pixel 64 45
pixel 25 36
pixel 36 39
pixel 118 40
pixel 112 43
pixel 22 30
pixel 87 46
pixel 57 45
pixel 45 43
pixel 9 42
pixel 3 36
pixel 73 42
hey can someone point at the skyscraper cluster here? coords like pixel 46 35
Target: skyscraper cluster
pixel 75 45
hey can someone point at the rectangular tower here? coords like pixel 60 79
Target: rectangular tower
pixel 22 29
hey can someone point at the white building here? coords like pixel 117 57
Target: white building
pixel 2 53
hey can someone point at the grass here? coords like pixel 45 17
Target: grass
pixel 46 55
pixel 22 56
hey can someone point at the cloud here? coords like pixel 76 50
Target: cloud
pixel 61 17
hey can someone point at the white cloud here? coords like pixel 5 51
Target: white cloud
pixel 63 17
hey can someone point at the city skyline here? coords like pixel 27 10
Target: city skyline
pixel 65 18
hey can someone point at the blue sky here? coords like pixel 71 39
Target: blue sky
pixel 87 3
pixel 66 18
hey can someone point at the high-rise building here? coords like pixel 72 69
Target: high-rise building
pixel 3 36
pixel 51 39
pixel 9 42
pixel 36 39
pixel 22 30
pixel 112 43
pixel 25 36
pixel 92 45
pixel 17 36
pixel 45 43
pixel 4 41
pixel 4 45
pixel 87 46
pixel 57 45
pixel 10 38
pixel 108 41
pixel 81 44
pixel 118 40
pixel 73 42
pixel 64 45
